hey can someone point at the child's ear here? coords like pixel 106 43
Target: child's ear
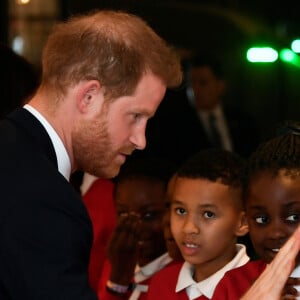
pixel 242 225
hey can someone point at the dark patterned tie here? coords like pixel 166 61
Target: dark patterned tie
pixel 214 132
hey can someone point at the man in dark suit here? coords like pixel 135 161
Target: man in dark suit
pixel 224 126
pixel 195 117
pixel 101 83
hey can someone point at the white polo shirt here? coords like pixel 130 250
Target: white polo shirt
pixel 207 286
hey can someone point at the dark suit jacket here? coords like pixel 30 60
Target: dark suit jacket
pixel 176 132
pixel 45 231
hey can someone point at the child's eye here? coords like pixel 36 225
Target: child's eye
pixel 261 220
pixel 122 214
pixel 151 215
pixel 293 218
pixel 148 216
pixel 208 214
pixel 180 211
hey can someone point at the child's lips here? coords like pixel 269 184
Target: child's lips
pixel 271 252
pixel 190 245
pixel 190 248
pixel 275 249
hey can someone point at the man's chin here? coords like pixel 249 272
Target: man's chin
pixel 113 169
pixel 108 172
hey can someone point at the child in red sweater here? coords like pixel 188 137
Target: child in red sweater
pixel 206 218
pixel 137 248
pixel 272 201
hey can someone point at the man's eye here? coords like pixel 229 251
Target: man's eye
pixel 136 116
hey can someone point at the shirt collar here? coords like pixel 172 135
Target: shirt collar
pixel 217 111
pixel 145 272
pixel 207 287
pixel 63 160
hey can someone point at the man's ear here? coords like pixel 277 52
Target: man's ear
pixel 242 225
pixel 87 94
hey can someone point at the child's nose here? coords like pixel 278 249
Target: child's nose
pixel 190 226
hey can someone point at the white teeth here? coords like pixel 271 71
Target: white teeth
pixel 191 245
pixel 275 250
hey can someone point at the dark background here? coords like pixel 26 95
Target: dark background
pixel 270 92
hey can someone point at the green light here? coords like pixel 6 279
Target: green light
pixel 262 54
pixel 295 45
pixel 289 56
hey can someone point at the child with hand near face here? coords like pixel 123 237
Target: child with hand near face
pixel 207 216
pixel 137 248
pixel 272 203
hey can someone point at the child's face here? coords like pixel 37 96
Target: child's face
pixel 205 221
pixel 145 200
pixel 273 210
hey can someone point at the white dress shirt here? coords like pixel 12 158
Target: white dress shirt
pixel 63 160
pixel 207 286
pixel 87 182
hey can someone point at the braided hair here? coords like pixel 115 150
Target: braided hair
pixel 281 152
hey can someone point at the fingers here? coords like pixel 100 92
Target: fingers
pixel 289 297
pixel 271 282
pixel 126 235
pixel 284 261
pixel 293 281
pixel 289 290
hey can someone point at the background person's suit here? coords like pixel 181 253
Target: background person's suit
pixel 176 131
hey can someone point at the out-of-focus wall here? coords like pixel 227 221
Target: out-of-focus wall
pixel 30 22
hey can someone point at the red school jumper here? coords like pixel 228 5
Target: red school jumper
pixel 101 208
pixel 141 286
pixel 164 283
pixel 237 281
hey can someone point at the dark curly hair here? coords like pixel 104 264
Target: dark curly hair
pixel 149 168
pixel 215 165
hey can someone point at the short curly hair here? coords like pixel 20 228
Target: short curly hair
pixel 216 165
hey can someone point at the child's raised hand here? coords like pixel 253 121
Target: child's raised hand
pixel 271 283
pixel 123 248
